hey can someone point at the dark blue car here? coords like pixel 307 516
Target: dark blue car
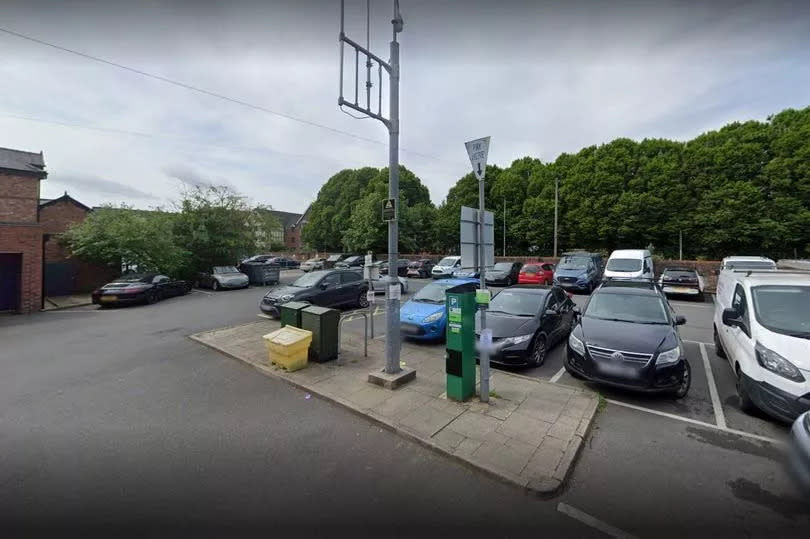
pixel 577 273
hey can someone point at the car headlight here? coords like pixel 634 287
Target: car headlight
pixel 668 357
pixel 576 345
pixel 285 298
pixel 433 317
pixel 775 363
pixel 511 341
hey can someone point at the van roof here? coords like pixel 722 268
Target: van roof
pixel 630 253
pixel 774 277
pixel 747 259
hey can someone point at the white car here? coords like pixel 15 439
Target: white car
pixel 312 264
pixel 762 326
pixel 379 284
pixel 446 267
pixel 630 264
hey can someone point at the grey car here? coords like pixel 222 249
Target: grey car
pixel 219 277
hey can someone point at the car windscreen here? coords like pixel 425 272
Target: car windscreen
pixel 313 260
pixel 783 309
pixel 574 263
pixel 334 258
pixel 647 309
pixel 352 259
pixel 517 302
pixel 416 264
pixel 502 266
pixel 433 293
pixel 447 261
pixel 680 274
pixel 750 265
pixel 135 278
pixel 225 269
pixel 624 264
pixel 310 279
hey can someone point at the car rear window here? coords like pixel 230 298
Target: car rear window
pixel 680 274
pixel 531 268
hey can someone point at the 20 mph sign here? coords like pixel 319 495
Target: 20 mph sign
pixel 478 150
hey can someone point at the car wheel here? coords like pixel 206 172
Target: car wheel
pixel 718 346
pixel 401 289
pixel 186 289
pixel 686 383
pixel 571 371
pixel 196 284
pixel 538 355
pixel 151 298
pixel 215 286
pixel 508 281
pixel 746 404
pixel 362 300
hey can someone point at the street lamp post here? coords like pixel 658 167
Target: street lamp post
pixel 556 203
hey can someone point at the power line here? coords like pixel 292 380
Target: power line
pixel 207 92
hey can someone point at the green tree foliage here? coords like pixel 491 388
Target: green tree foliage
pixel 219 226
pixel 367 231
pixel 743 189
pixel 129 237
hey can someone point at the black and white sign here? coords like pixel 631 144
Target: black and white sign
pixel 389 209
pixel 478 150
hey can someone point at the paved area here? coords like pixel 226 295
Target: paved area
pixel 66 302
pixel 114 421
pixel 528 434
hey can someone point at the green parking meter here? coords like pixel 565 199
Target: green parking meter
pixel 460 353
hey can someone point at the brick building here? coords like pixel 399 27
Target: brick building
pixel 20 230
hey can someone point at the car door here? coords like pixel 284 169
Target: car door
pixel 350 287
pixel 328 293
pixel 742 345
pixel 566 310
pixel 513 274
pixel 161 285
pixel 550 321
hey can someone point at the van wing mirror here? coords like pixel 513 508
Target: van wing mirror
pixel 730 317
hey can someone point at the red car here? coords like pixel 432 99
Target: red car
pixel 536 273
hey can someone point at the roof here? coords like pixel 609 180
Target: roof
pixel 632 253
pixel 29 163
pixel 43 203
pixel 774 277
pixel 533 288
pixel 303 216
pixel 287 219
pixel 748 258
pixel 629 286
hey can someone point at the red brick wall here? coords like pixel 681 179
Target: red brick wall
pixel 56 218
pixel 28 241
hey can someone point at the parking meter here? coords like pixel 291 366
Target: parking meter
pixel 460 349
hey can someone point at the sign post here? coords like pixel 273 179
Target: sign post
pixel 389 209
pixel 478 151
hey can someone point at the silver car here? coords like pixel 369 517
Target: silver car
pixel 312 264
pixel 800 451
pixel 219 277
pixel 379 284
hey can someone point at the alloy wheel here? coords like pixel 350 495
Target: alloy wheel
pixel 538 352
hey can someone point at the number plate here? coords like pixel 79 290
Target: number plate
pixel 106 299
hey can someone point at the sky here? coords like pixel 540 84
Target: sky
pixel 540 77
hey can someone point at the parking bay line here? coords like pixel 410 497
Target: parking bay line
pixel 593 522
pixel 557 375
pixel 719 415
pixel 696 422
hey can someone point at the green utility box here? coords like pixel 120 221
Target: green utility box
pixel 291 313
pixel 323 323
pixel 460 353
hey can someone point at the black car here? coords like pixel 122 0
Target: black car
pixel 285 263
pixel 627 336
pixel 402 267
pixel 354 261
pixel 420 268
pixel 257 259
pixel 327 288
pixel 681 281
pixel 139 288
pixel 526 322
pixel 503 273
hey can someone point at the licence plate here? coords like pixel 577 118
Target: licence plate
pixel 617 369
pixel 679 289
pixel 107 299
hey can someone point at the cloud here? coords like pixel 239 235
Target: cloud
pixel 89 184
pixel 541 78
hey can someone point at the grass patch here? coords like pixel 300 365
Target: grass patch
pixel 602 403
pixel 493 393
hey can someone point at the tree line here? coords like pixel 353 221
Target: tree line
pixel 742 189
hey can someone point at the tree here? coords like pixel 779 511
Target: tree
pixel 367 231
pixel 219 226
pixel 128 237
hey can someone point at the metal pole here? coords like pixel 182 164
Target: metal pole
pixel 680 245
pixel 556 201
pixel 484 391
pixel 504 226
pixel 392 305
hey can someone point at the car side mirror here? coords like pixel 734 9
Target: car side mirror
pixel 324 286
pixel 576 310
pixel 551 312
pixel 730 317
pixel 680 320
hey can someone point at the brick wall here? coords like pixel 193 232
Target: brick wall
pixel 57 217
pixel 28 241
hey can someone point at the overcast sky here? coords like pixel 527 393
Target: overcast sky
pixel 541 78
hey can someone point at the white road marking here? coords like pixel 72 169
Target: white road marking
pixel 593 522
pixel 557 375
pixel 71 310
pixel 696 422
pixel 262 315
pixel 719 416
pixel 698 342
pixel 201 292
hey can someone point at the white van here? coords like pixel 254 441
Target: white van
pixel 727 277
pixel 446 267
pixel 630 264
pixel 762 325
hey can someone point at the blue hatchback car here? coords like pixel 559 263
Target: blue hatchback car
pixel 424 317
